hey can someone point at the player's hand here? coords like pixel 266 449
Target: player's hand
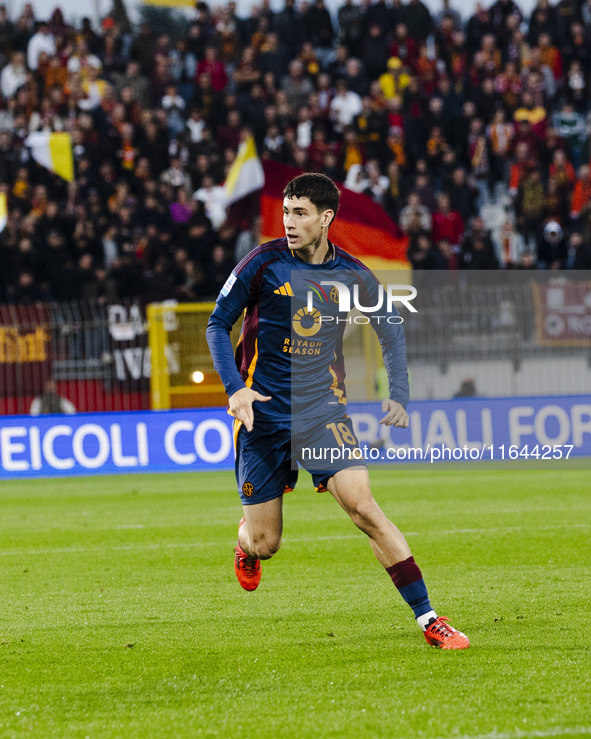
pixel 241 405
pixel 395 414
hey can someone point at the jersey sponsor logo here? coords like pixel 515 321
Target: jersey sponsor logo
pixel 307 322
pixel 285 289
pixel 301 346
pixel 248 489
pixel 228 285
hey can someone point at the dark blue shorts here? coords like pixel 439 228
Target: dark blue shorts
pixel 267 457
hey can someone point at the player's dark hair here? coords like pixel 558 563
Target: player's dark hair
pixel 320 190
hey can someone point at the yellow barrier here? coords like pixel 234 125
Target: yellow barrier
pixel 182 374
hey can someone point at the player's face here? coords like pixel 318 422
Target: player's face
pixel 304 224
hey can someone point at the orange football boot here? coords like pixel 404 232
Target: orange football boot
pixel 440 634
pixel 246 567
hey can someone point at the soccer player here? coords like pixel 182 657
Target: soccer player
pixel 286 391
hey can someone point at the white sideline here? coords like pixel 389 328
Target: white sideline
pixel 287 540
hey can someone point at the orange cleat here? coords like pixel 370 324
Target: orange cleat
pixel 440 634
pixel 246 567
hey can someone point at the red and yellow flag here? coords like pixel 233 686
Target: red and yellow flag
pixel 361 227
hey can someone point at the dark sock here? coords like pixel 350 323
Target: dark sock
pixel 407 577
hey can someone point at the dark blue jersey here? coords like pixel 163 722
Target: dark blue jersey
pixel 291 345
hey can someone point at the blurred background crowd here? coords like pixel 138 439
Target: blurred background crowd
pixel 472 133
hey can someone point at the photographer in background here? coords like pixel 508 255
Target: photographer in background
pixel 50 402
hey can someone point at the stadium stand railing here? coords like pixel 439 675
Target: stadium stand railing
pixel 521 334
pixel 95 352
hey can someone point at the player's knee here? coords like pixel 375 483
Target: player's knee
pixel 364 514
pixel 265 545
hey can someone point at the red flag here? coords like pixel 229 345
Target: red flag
pixel 361 227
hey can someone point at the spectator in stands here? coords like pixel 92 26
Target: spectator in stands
pixel 214 68
pixel 148 114
pixel 529 207
pixel 462 194
pixel 296 87
pixel 289 27
pixel 318 29
pixel 375 49
pixel 344 107
pixel 41 42
pixel 447 223
pixel 350 19
pixel 214 198
pixel 6 35
pixel 579 252
pixel 422 254
pixel 14 75
pixel 418 20
pixel 447 12
pixel 581 197
pixel 137 83
pixel 415 217
pixel 395 80
pixel 552 249
pixel 511 247
pixel 482 256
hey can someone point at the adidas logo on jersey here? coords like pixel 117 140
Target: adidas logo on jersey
pixel 285 289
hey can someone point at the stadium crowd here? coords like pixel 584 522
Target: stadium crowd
pixel 472 133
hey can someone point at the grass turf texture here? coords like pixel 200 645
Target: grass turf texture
pixel 120 615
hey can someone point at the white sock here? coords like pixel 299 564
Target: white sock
pixel 423 621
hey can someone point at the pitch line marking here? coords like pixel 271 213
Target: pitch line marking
pixel 525 734
pixel 288 540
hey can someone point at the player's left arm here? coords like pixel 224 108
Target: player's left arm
pixel 393 345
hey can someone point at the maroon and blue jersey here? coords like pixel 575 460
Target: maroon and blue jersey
pixel 291 345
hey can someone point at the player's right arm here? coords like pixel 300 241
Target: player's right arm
pixel 241 405
pixel 232 300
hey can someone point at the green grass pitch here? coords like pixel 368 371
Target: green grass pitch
pixel 120 615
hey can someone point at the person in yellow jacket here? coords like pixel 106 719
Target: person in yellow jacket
pixel 395 80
